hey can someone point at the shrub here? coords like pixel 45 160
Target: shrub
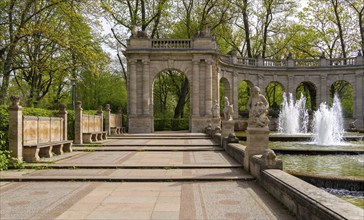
pixel 171 124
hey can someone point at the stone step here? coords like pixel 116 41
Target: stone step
pixel 129 166
pixel 157 142
pixel 149 148
pixel 132 175
pixel 170 135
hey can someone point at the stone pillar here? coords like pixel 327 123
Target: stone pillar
pixel 195 89
pixel 133 88
pixel 358 100
pixel 16 128
pixel 290 61
pixel 322 60
pixel 323 88
pixel 208 83
pixel 260 61
pixel 64 114
pixel 235 95
pixel 107 119
pixel 146 95
pixel 78 124
pixel 100 113
pixel 257 143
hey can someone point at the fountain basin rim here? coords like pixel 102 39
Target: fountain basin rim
pixel 284 138
pixel 317 151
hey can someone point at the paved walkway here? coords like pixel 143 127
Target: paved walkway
pixel 172 182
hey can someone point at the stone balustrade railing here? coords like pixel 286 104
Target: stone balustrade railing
pixel 171 44
pixel 208 43
pixel 292 63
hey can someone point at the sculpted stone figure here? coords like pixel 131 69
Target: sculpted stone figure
pixel 228 109
pixel 215 110
pixel 258 109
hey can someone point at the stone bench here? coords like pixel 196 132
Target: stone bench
pixel 33 152
pixel 117 130
pixel 90 137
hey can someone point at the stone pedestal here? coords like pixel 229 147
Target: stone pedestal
pixel 15 129
pixel 227 128
pixel 257 143
pixel 199 124
pixel 141 124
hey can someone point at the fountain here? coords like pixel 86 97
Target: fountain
pixel 293 117
pixel 328 126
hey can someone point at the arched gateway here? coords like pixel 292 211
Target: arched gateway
pixel 204 66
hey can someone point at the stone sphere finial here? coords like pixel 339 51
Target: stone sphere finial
pixel 107 108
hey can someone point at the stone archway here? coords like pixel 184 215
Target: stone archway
pixel 309 90
pixel 171 101
pixel 197 59
pixel 273 93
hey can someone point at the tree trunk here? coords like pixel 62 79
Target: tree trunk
pixel 178 112
pixel 341 35
pixel 246 28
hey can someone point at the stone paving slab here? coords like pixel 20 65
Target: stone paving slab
pixel 147 148
pixel 90 200
pixel 146 158
pixel 160 142
pixel 126 174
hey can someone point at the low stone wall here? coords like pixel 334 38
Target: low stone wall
pixel 304 200
pixel 113 122
pixel 88 128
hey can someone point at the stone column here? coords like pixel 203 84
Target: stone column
pixel 78 124
pixel 195 89
pixel 208 97
pixel 64 114
pixel 100 113
pixel 146 84
pixel 107 119
pixel 359 102
pixel 235 95
pixel 133 88
pixel 16 128
pixel 323 87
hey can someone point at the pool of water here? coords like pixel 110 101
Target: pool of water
pixel 328 165
pixel 354 197
pixel 353 145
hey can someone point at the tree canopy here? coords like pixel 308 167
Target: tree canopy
pixel 45 44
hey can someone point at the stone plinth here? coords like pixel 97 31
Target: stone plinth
pixel 257 143
pixel 141 124
pixel 15 129
pixel 227 128
pixel 199 124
